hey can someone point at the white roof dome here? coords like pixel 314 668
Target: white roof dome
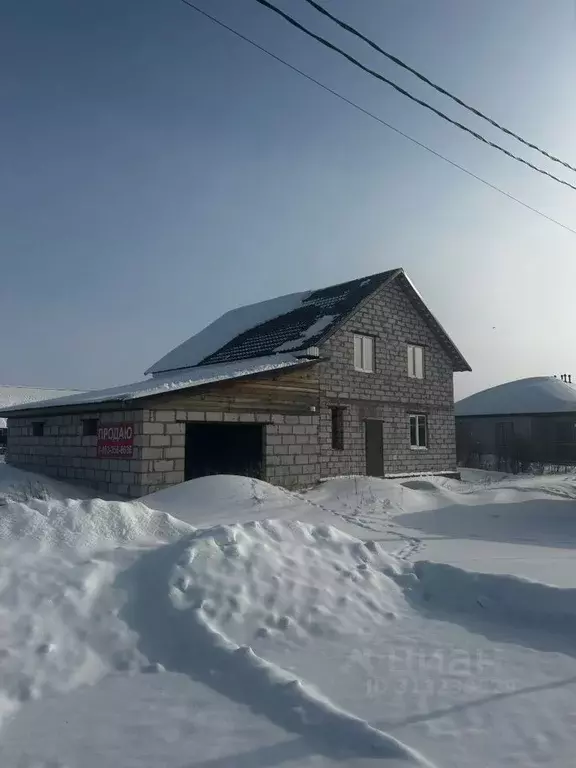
pixel 538 394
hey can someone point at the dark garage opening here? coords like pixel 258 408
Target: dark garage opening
pixel 224 449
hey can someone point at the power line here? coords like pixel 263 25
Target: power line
pixel 434 85
pixel 375 117
pixel 409 95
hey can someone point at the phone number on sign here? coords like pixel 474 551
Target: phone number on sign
pixel 114 450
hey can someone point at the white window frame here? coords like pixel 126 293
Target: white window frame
pixel 415 361
pixel 364 353
pixel 419 418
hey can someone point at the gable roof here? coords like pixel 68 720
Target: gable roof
pixel 14 395
pixel 537 394
pixel 294 323
pixel 159 385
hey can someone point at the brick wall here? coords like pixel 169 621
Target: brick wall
pixel 64 452
pixel 290 448
pixel 387 394
pixel 290 445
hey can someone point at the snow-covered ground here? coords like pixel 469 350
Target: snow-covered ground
pixel 226 622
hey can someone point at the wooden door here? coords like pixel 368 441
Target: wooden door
pixel 374 448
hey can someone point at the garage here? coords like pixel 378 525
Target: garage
pixel 224 449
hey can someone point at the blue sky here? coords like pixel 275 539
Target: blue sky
pixel 157 171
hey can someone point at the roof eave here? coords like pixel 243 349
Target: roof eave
pixel 137 403
pixel 460 364
pixel 104 405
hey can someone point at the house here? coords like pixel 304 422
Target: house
pixel 14 395
pixel 519 423
pixel 356 378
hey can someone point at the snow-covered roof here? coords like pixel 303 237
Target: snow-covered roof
pixel 287 323
pixel 293 322
pixel 11 395
pixel 191 377
pixel 538 394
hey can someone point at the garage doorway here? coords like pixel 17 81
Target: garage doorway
pixel 224 449
pixel 374 448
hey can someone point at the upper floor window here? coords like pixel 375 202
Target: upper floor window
pixel 364 353
pixel 415 361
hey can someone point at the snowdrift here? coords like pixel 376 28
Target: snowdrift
pixel 247 590
pixel 505 599
pixel 261 578
pixel 277 576
pixel 225 499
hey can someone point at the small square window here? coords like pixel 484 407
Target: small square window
pixel 337 428
pixel 418 431
pixel 364 353
pixel 415 361
pixel 89 427
pixel 37 428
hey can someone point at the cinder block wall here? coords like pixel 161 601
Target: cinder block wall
pixel 388 393
pixel 63 452
pixel 290 452
pixel 290 445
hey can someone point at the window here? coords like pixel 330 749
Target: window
pixel 37 428
pixel 415 361
pixel 363 353
pixel 89 427
pixel 337 428
pixel 418 431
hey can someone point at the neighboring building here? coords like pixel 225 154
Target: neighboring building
pixel 518 424
pixel 10 396
pixel 356 378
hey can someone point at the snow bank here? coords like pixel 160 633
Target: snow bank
pixel 85 525
pixel 222 499
pixel 59 627
pixel 496 597
pixel 372 494
pixel 19 485
pixel 263 600
pixel 276 576
pixel 273 577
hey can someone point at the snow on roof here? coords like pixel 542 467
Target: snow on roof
pixel 219 333
pixel 13 395
pixel 192 377
pixel 538 394
pixel 313 330
pixel 297 321
pixel 291 322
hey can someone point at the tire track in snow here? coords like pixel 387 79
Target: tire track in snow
pixel 179 636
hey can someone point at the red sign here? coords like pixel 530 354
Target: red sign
pixel 115 441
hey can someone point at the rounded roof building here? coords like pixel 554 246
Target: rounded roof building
pixel 537 394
